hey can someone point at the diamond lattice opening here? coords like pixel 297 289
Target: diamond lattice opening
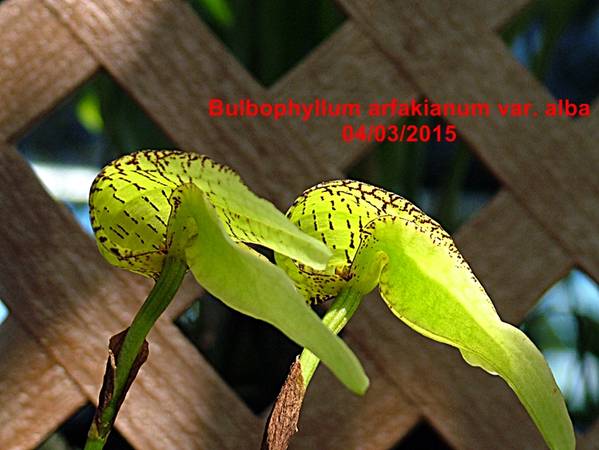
pixel 4 312
pixel 93 126
pixel 270 37
pixel 559 43
pixel 72 434
pixel 250 355
pixel 445 179
pixel 565 326
pixel 422 437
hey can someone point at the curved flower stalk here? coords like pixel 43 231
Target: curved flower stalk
pixel 160 213
pixel 380 239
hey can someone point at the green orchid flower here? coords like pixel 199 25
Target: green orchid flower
pixel 160 213
pixel 379 239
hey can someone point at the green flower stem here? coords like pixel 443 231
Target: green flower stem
pixel 95 442
pixel 159 298
pixel 335 319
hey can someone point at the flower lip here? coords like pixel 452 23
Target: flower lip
pixel 338 213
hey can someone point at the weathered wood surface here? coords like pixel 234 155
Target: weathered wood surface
pixel 40 63
pixel 36 393
pixel 170 59
pixel 68 302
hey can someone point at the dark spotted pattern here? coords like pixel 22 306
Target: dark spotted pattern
pixel 340 213
pixel 129 204
pixel 131 201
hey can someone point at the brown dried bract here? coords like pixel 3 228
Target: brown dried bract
pixel 283 419
pixel 107 391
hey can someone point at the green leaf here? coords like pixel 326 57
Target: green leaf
pixel 129 210
pixel 219 10
pixel 378 237
pixel 88 112
pixel 252 285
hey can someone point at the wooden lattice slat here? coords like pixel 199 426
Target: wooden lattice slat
pixel 334 72
pixel 173 66
pixel 36 393
pixel 41 63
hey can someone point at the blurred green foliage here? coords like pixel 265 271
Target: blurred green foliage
pixel 566 324
pixel 218 12
pixel 553 16
pixel 89 112
pixel 102 108
pixel 270 36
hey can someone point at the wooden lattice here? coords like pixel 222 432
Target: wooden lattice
pixel 65 300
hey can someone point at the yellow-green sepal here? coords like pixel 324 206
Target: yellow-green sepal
pixel 252 285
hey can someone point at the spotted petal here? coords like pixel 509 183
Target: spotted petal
pixel 129 209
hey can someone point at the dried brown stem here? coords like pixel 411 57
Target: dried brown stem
pixel 282 422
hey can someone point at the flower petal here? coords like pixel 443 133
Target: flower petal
pixel 129 209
